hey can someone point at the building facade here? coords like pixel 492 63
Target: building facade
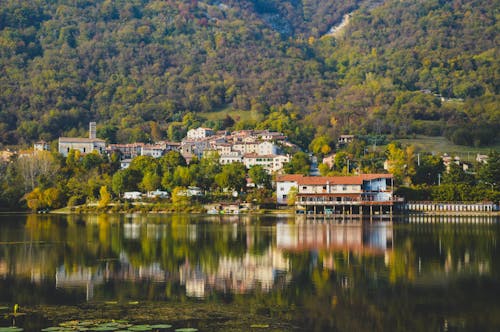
pixel 84 145
pixel 365 194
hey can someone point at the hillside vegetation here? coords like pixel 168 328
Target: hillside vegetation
pixel 149 69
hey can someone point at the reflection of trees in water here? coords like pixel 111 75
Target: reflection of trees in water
pixel 348 279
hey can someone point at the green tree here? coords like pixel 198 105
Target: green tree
pixel 489 173
pixel 260 177
pixel 429 170
pixel 182 177
pixel 179 198
pixel 170 160
pixel 300 164
pixel 401 163
pixel 456 175
pixel 126 180
pixel 150 181
pixel 144 164
pixel 92 160
pixel 321 145
pixel 232 177
pixel 341 161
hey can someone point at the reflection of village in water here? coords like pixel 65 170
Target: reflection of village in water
pixel 240 273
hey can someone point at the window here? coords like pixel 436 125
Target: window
pixel 304 188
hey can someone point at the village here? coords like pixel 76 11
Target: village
pixel 330 196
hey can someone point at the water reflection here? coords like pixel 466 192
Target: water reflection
pixel 108 257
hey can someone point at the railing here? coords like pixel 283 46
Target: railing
pixel 320 201
pixel 451 206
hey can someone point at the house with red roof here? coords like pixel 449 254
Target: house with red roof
pixel 330 195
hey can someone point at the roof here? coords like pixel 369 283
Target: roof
pixel 289 177
pixel 256 155
pixel 80 140
pixel 321 180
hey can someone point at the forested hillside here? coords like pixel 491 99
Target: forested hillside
pixel 149 69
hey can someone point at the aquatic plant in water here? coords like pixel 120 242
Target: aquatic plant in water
pixel 100 325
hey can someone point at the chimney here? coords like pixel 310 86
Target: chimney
pixel 92 134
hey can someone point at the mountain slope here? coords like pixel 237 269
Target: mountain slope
pixel 146 69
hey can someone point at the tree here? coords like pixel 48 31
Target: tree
pixel 321 145
pixel 292 195
pixel 456 174
pixel 40 166
pixel 182 176
pixel 489 173
pixel 92 160
pixel 53 197
pixel 180 198
pixel 34 199
pixel 150 181
pixel 144 164
pixel 105 197
pixel 170 160
pixel 125 180
pixel 340 162
pixel 324 169
pixel 429 170
pixel 300 164
pixel 260 177
pixel 401 163
pixel 232 177
pixel 204 173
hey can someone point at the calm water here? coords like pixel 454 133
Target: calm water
pixel 288 274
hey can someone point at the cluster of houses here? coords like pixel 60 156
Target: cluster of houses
pixel 250 147
pixel 363 194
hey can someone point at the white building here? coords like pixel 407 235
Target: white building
pixel 198 133
pixel 231 157
pixel 132 195
pixel 271 163
pixel 155 151
pixel 41 146
pixel 157 194
pixel 284 183
pixel 84 145
pixel 260 148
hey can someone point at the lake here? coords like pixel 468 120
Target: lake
pixel 243 273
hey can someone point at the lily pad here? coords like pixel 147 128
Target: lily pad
pixel 259 326
pixel 140 328
pixel 161 326
pixel 104 328
pixel 11 329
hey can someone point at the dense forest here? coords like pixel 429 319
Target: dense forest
pixel 150 69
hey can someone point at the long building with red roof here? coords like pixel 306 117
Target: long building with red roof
pixel 363 194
